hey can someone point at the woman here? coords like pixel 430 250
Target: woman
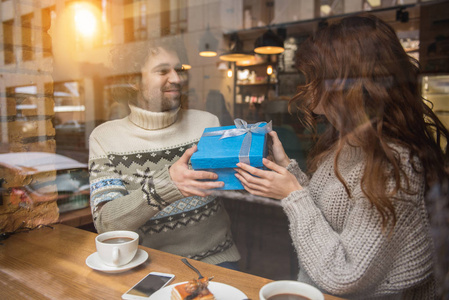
pixel 359 224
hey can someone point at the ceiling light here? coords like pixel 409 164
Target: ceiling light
pixel 208 44
pixel 269 43
pixel 236 52
pixel 222 66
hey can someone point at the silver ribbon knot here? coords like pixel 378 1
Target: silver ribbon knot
pixel 242 127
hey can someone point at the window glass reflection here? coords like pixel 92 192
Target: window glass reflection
pixel 61 76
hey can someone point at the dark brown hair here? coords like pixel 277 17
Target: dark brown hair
pixel 132 58
pixel 368 88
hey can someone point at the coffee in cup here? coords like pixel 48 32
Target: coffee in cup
pixel 117 248
pixel 289 290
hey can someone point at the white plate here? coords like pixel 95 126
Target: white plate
pixel 94 261
pixel 221 291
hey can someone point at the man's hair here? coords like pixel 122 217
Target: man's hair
pixel 131 57
pixel 128 59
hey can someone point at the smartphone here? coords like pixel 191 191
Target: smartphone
pixel 148 285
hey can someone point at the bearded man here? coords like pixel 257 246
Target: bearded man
pixel 139 174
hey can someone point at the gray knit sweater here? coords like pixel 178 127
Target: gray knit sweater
pixel 340 244
pixel 131 188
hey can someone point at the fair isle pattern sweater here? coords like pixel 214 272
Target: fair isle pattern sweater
pixel 339 241
pixel 131 187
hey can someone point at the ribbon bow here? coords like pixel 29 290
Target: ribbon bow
pixel 242 127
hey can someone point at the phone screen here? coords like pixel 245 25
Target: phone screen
pixel 149 285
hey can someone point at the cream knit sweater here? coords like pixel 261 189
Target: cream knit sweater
pixel 131 188
pixel 341 247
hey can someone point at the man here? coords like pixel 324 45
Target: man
pixel 139 174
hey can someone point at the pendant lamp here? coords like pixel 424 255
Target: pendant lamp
pixel 208 44
pixel 236 52
pixel 183 57
pixel 269 43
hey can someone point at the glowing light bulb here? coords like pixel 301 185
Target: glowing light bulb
pixel 85 21
pixel 229 73
pixel 269 70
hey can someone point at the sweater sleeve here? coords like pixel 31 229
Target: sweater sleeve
pixel 294 168
pixel 116 208
pixel 362 258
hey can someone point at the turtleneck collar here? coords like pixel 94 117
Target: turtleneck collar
pixel 152 120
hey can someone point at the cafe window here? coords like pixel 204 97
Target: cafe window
pixel 27 37
pixel 102 13
pixel 173 17
pixel 75 85
pixel 70 112
pixel 69 102
pixel 8 42
pixel 26 105
pixel 106 18
pixel 135 20
pixel 48 18
pixel 30 118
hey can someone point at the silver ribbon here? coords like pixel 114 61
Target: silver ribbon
pixel 242 127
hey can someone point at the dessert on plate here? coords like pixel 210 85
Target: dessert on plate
pixel 195 289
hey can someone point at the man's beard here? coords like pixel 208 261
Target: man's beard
pixel 158 102
pixel 171 101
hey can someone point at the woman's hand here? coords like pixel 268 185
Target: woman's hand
pixel 277 152
pixel 190 182
pixel 276 184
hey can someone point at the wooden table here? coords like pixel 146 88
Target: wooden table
pixel 76 218
pixel 49 263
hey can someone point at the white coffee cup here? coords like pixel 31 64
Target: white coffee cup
pixel 290 287
pixel 117 248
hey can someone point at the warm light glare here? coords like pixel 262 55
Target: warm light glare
pixel 325 9
pixel 208 53
pixel 374 3
pixel 236 57
pixel 229 73
pixel 269 50
pixel 269 70
pixel 85 21
pixel 186 67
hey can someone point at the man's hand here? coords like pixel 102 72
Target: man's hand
pixel 188 181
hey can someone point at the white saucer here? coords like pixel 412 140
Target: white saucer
pixel 94 261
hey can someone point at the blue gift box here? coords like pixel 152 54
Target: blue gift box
pixel 221 148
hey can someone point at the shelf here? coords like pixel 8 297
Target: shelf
pixel 255 65
pixel 254 84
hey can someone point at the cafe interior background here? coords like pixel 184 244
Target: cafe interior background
pixel 57 84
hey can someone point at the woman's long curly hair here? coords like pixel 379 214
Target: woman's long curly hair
pixel 358 73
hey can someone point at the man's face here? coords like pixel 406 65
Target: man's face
pixel 162 80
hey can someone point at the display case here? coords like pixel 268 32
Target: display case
pixel 254 85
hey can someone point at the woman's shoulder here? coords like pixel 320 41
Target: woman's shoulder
pixel 412 170
pixel 405 156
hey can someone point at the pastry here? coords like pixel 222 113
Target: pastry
pixel 195 289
